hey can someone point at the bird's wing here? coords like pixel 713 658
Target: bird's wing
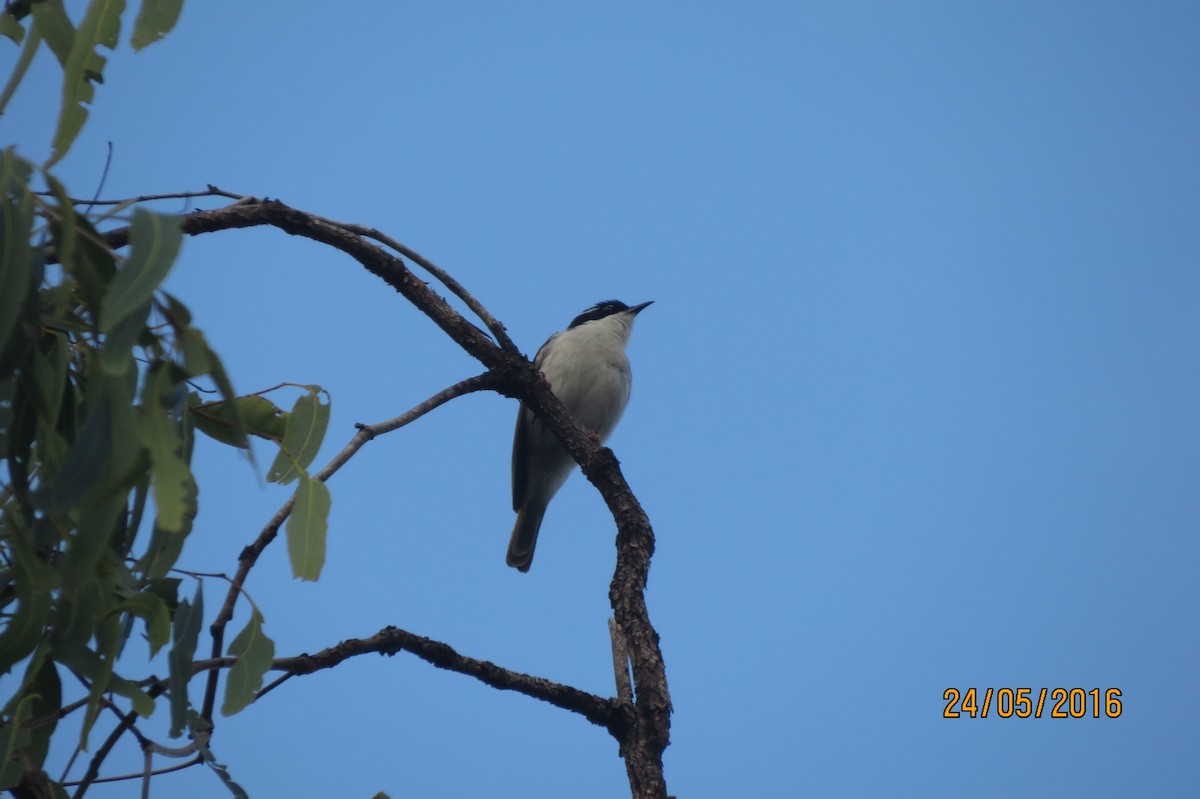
pixel 520 452
pixel 520 459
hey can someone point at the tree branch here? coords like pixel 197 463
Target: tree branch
pixel 456 288
pixel 123 726
pixel 251 553
pixel 211 191
pixel 644 740
pixel 391 640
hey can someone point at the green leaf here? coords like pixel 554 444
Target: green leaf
pixel 49 365
pixel 142 702
pixel 185 631
pixel 254 652
pixel 95 667
pixel 137 505
pixel 154 21
pixel 162 553
pixel 20 432
pixel 46 688
pixel 180 316
pixel 18 275
pixel 34 582
pixel 154 241
pixel 174 488
pixel 255 413
pixel 166 589
pixel 62 222
pixel 195 352
pixel 306 528
pixel 101 25
pixel 103 453
pixel 90 262
pixel 11 28
pixel 75 617
pixel 227 425
pixel 306 426
pixel 116 356
pixel 51 21
pixel 153 611
pixel 221 771
pixel 90 554
pixel 13 738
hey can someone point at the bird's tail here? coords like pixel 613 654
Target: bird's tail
pixel 524 536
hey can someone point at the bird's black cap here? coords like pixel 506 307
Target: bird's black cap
pixel 605 308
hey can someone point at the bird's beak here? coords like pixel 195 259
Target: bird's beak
pixel 637 309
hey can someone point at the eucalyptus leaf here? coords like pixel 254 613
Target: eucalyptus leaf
pixel 256 414
pixel 11 28
pixel 185 631
pixel 162 553
pixel 237 791
pixel 143 703
pixel 174 487
pixel 33 582
pixel 254 652
pixel 51 21
pixel 306 426
pixel 46 688
pixel 306 528
pixel 13 738
pixel 105 450
pixel 49 364
pixel 18 277
pixel 154 612
pixel 116 356
pixel 100 26
pixel 88 260
pixel 155 20
pixel 154 242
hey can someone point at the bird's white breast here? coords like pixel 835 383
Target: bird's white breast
pixel 588 370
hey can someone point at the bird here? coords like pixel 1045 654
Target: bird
pixel 588 370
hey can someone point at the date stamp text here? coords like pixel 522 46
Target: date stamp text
pixel 1055 703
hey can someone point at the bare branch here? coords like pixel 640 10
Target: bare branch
pixel 211 191
pixel 49 718
pixel 390 640
pixel 648 734
pixel 456 288
pixel 141 774
pixel 123 726
pixel 250 554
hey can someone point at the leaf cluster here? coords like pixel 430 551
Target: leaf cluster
pixel 103 381
pixel 76 49
pixel 97 371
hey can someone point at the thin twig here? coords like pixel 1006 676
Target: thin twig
pixel 211 191
pixel 456 288
pixel 123 726
pixel 108 159
pixel 250 554
pixel 49 718
pixel 165 770
pixel 271 686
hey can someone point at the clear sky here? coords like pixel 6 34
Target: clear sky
pixel 917 405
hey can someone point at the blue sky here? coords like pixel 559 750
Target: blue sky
pixel 916 406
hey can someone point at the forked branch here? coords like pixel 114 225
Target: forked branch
pixel 646 733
